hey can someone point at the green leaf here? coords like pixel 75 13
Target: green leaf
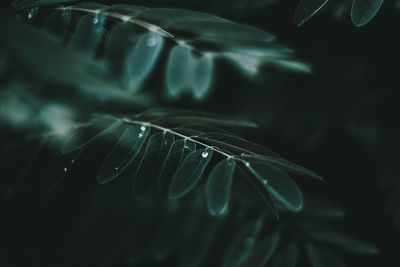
pixel 281 186
pixel 190 172
pixel 123 153
pixel 259 189
pixel 198 38
pixel 147 174
pixel 282 164
pixel 88 34
pixel 219 185
pixel 203 75
pixel 179 69
pixel 177 153
pixel 99 127
pixel 119 45
pixel 142 60
pixel 363 11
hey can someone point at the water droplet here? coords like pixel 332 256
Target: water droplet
pixel 72 161
pixel 96 19
pixel 65 169
pixel 140 135
pixel 116 168
pixel 32 13
pixel 143 128
pixel 265 181
pixel 204 154
pixel 151 42
pixel 247 164
pixel 248 242
pixel 125 18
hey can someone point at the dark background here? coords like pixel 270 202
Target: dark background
pixel 342 121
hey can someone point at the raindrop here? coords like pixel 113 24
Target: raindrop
pixel 96 18
pixel 143 128
pixel 204 154
pixel 32 13
pixel 151 42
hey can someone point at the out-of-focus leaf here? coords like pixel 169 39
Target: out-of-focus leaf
pixel 320 257
pixel 344 242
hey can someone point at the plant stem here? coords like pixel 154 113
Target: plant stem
pixel 161 128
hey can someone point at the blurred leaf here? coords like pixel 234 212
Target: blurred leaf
pixel 344 242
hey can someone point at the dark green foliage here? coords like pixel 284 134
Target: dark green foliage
pixel 179 165
pixel 323 246
pixel 134 37
pixel 75 78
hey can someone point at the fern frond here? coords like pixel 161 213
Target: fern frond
pixel 130 39
pixel 169 158
pixel 39 74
